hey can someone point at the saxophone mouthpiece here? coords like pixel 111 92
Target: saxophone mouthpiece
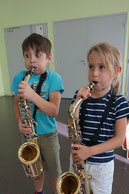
pixel 92 85
pixel 31 71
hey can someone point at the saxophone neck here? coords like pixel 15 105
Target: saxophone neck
pixel 79 100
pixel 74 106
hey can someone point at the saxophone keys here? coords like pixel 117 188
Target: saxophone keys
pixel 88 176
pixel 35 123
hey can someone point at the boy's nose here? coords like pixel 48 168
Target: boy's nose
pixel 32 59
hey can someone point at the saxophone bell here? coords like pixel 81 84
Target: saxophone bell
pixel 29 155
pixel 68 183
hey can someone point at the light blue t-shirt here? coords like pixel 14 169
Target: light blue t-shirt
pixel 53 82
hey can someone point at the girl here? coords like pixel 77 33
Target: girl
pixel 104 69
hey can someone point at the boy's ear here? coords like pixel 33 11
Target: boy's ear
pixel 49 57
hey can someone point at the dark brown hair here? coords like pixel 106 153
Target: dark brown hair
pixel 38 43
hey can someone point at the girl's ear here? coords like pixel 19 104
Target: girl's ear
pixel 117 71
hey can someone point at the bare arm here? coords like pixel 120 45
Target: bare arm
pixel 50 107
pixel 83 93
pixel 116 141
pixel 84 152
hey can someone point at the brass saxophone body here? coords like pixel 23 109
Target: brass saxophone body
pixel 29 152
pixel 81 184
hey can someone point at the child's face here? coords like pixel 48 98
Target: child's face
pixel 36 60
pixel 100 73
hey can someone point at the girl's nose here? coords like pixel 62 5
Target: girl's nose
pixel 95 72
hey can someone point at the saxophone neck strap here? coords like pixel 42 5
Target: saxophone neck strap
pixel 107 109
pixel 104 116
pixel 38 89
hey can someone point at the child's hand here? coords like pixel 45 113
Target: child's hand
pixel 80 153
pixel 25 90
pixel 23 128
pixel 84 92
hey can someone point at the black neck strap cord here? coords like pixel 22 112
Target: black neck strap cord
pixel 38 89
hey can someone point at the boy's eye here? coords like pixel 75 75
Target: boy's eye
pixel 38 55
pixel 27 55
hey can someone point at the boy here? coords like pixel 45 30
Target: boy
pixel 37 54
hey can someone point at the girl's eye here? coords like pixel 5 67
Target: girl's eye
pixel 91 67
pixel 102 66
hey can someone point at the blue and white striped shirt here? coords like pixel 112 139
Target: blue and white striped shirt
pixel 93 115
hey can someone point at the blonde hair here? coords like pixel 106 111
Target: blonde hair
pixel 111 56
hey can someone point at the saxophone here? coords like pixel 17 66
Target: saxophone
pixel 79 180
pixel 29 153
